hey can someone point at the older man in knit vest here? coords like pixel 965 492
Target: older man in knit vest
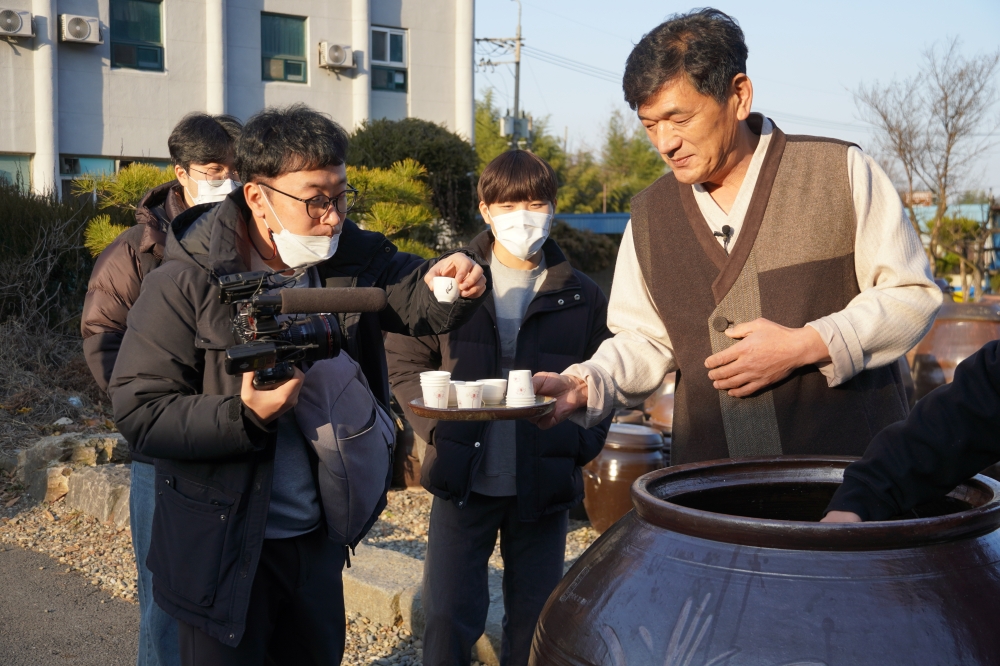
pixel 777 274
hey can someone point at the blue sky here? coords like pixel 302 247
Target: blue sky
pixel 805 57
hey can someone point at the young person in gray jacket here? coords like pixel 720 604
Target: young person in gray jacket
pixel 505 477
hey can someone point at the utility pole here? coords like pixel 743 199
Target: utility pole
pixel 517 64
pixel 517 127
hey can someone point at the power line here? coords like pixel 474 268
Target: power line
pixel 585 25
pixel 572 65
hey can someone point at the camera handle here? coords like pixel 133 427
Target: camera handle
pixel 273 377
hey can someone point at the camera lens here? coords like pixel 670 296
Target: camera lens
pixel 321 333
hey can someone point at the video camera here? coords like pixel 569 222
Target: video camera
pixel 271 348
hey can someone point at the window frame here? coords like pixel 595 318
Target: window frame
pixel 404 63
pixel 303 60
pixel 157 47
pixel 392 71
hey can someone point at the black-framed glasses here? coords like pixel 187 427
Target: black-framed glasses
pixel 317 206
pixel 216 174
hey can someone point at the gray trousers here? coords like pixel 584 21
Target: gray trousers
pixel 456 594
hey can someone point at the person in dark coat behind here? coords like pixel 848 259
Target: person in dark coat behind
pixel 201 148
pixel 952 434
pixel 239 550
pixel 505 477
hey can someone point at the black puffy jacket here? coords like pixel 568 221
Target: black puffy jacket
pixel 173 401
pixel 951 434
pixel 564 324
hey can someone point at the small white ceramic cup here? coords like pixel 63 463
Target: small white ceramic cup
pixel 445 289
pixel 493 390
pixel 519 386
pixel 470 395
pixel 435 377
pixel 452 395
pixel 436 397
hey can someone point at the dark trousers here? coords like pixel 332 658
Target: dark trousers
pixel 296 613
pixel 456 594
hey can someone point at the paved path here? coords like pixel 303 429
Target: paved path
pixel 49 617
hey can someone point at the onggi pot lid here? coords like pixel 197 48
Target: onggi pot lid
pixel 633 436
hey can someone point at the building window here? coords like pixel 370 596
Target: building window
pixel 388 78
pixel 137 34
pixel 16 170
pixel 388 47
pixel 283 47
pixel 389 59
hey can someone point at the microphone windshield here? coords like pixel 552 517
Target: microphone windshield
pixel 351 299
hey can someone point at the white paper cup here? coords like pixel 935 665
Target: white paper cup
pixel 519 386
pixel 470 395
pixel 436 397
pixel 445 289
pixel 493 390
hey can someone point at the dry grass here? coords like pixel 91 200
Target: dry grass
pixel 42 372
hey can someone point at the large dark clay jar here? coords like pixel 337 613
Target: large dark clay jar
pixel 959 330
pixel 629 452
pixel 722 563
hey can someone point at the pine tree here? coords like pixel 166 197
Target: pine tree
pixel 118 194
pixel 395 202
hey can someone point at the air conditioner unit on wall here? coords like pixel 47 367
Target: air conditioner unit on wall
pixel 15 23
pixel 336 56
pixel 80 29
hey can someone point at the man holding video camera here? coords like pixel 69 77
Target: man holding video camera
pixel 239 552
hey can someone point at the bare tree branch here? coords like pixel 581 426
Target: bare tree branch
pixel 936 126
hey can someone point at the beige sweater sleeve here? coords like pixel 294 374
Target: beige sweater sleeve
pixel 628 367
pixel 898 298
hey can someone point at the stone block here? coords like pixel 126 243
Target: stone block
pixel 74 448
pixel 487 648
pixel 382 584
pixel 101 492
pixel 57 482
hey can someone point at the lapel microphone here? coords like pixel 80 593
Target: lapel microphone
pixel 725 235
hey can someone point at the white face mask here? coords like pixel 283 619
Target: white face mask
pixel 522 232
pixel 211 191
pixel 298 251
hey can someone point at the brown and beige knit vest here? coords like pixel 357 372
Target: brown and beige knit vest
pixel 793 262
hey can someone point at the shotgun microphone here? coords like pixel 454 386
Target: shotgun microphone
pixel 350 299
pixel 312 301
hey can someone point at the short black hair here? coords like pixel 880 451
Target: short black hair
pixel 705 44
pixel 203 139
pixel 518 175
pixel 280 140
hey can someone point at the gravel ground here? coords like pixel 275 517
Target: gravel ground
pixel 103 555
pixel 403 528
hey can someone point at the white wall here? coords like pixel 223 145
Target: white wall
pixel 431 27
pixel 130 113
pixel 17 105
pixel 325 90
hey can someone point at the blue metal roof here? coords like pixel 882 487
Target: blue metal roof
pixel 599 223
